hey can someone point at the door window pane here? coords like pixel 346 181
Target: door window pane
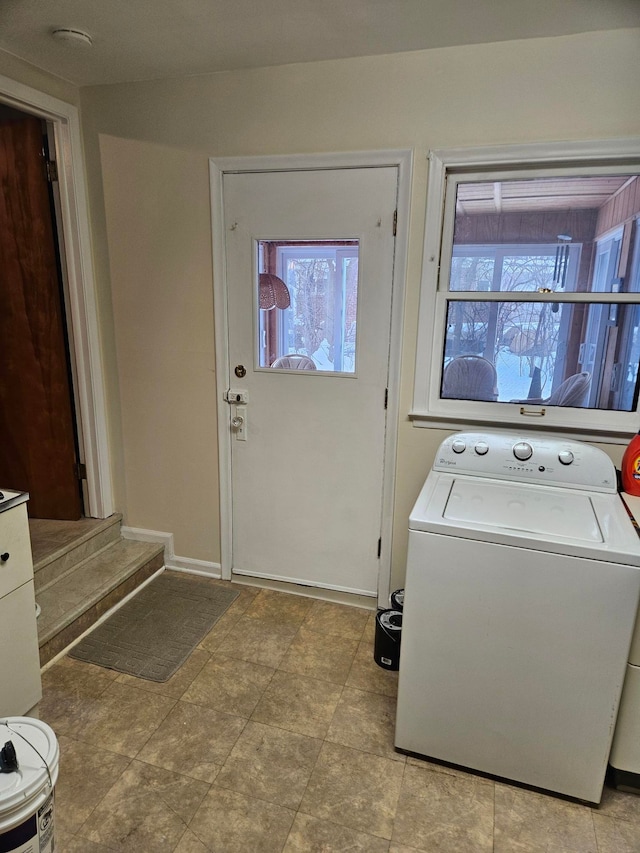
pixel 318 281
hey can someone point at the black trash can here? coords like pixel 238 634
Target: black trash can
pixel 396 600
pixel 386 651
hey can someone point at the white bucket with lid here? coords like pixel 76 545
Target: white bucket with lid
pixel 27 794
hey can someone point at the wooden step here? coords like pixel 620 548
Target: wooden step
pixel 75 597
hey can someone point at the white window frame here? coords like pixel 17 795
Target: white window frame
pixel 428 409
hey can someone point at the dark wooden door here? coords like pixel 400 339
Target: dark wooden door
pixel 37 431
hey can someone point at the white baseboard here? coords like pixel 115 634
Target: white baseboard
pixel 139 534
pixel 171 560
pixel 194 567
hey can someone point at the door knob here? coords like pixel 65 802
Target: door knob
pixel 237 421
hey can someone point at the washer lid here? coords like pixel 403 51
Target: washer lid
pixel 538 510
pixel 574 522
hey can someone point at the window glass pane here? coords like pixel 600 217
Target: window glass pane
pixel 515 268
pixel 536 234
pixel 630 335
pixel 316 328
pixel 556 354
pixel 630 356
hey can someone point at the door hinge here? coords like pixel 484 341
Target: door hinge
pixel 379 547
pixel 395 222
pixel 52 171
pixel 81 471
pixel 386 397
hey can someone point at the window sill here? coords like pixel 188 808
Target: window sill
pixel 601 436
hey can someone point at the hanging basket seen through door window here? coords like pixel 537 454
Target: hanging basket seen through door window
pixel 272 292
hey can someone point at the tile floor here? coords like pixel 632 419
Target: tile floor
pixel 277 735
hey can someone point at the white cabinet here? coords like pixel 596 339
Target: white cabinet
pixel 20 685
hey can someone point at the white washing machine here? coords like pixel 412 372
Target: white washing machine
pixel 521 594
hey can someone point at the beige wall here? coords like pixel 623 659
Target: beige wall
pixel 159 240
pixel 23 72
pixel 148 144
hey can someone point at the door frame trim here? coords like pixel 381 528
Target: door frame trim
pixel 89 386
pixel 218 167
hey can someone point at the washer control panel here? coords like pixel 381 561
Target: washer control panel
pixel 525 458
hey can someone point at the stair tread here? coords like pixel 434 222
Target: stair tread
pixel 54 539
pixel 65 571
pixel 88 582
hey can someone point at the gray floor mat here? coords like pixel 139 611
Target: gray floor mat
pixel 154 633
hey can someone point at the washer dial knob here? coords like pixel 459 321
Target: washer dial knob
pixel 482 448
pixel 522 451
pixel 566 457
pixel 458 446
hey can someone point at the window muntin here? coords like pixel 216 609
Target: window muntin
pixel 320 322
pixel 480 248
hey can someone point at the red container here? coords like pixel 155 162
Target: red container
pixel 631 467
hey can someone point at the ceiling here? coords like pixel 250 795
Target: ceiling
pixel 542 194
pixel 157 39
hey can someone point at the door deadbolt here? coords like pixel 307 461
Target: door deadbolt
pixel 240 371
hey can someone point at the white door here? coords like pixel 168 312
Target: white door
pixel 308 435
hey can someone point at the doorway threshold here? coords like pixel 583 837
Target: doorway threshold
pixel 337 596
